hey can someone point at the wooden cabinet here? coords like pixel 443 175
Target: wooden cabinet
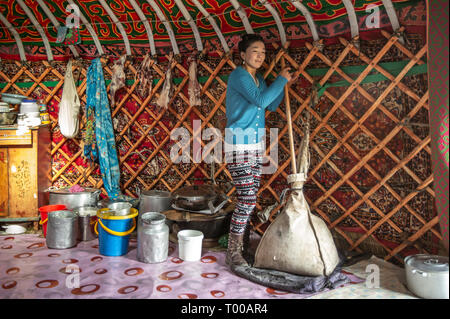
pixel 25 164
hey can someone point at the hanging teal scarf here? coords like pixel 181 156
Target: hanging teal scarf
pixel 100 142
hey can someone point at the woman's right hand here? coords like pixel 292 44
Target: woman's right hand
pixel 285 73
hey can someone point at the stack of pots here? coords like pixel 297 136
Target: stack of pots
pixel 69 217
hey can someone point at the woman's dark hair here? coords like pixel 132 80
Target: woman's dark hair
pixel 247 40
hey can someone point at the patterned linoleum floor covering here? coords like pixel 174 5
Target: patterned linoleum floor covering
pixel 28 269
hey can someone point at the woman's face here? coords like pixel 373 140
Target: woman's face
pixel 254 55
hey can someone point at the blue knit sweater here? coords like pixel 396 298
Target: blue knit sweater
pixel 246 104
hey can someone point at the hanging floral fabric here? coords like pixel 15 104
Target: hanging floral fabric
pixel 90 149
pixel 144 75
pixel 118 78
pixel 164 98
pixel 194 89
pixel 101 135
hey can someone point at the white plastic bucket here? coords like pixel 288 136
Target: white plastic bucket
pixel 190 244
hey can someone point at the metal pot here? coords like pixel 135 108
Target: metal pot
pixel 212 226
pixel 8 118
pixel 427 276
pixel 154 201
pixel 196 197
pixel 88 197
pixel 62 229
pixel 86 221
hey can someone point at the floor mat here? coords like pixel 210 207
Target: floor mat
pixel 28 269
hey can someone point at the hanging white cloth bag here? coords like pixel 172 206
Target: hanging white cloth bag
pixel 69 107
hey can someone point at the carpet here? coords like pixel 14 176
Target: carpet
pixel 29 270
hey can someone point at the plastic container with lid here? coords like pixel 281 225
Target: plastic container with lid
pixel 28 106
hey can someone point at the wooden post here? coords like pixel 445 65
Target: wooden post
pixel 289 122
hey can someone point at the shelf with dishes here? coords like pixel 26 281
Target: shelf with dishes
pixel 30 112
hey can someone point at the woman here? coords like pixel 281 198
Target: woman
pixel 247 99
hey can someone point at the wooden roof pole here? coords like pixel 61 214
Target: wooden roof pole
pixel 15 35
pixel 91 30
pixel 56 24
pixel 309 19
pixel 214 25
pixel 241 12
pixel 39 28
pixel 146 25
pixel 187 16
pixel 390 10
pixel 277 19
pixel 118 24
pixel 166 24
pixel 352 18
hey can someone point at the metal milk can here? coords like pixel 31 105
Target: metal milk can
pixel 153 238
pixel 62 229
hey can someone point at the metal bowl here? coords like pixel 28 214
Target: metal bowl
pixel 195 197
pixel 8 118
pixel 86 211
pixel 106 201
pixel 12 98
pixel 120 208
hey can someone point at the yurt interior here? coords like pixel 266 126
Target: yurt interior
pixel 120 177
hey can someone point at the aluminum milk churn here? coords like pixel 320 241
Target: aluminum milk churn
pixel 153 238
pixel 62 229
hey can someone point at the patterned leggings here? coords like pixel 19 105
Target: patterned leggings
pixel 245 169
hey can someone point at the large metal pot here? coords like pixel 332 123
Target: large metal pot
pixel 212 226
pixel 427 276
pixel 195 197
pixel 154 201
pixel 88 197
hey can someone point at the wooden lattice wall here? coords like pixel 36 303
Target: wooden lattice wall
pixel 370 176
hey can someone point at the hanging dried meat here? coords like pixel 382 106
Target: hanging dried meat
pixel 118 78
pixel 194 89
pixel 164 98
pixel 144 76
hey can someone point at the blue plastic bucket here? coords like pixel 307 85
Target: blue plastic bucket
pixel 114 232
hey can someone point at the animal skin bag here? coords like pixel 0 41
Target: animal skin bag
pixel 69 107
pixel 297 241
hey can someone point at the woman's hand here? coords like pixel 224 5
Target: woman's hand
pixel 285 72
